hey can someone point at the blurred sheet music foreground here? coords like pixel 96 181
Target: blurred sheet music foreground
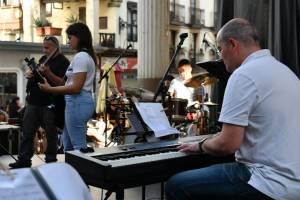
pixel 51 181
pixel 154 116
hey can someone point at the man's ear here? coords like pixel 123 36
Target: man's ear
pixel 233 42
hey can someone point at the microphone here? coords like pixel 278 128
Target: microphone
pixel 129 46
pixel 183 36
pixel 204 41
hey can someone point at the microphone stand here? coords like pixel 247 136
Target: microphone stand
pixel 161 82
pixel 105 76
pixel 213 46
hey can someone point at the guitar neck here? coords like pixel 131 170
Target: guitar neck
pixel 50 56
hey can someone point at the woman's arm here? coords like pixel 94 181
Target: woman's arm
pixel 78 82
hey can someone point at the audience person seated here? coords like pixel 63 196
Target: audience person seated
pixel 3 115
pixel 14 109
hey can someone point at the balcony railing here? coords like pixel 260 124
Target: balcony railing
pixel 197 16
pixel 177 13
pixel 11 18
pixel 115 3
pixel 107 40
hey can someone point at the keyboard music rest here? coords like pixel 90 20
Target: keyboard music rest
pixel 108 175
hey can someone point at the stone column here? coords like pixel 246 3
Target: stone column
pixel 92 18
pixel 32 9
pixel 153 42
pixel 28 20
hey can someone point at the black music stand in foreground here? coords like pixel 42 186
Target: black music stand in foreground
pixel 141 129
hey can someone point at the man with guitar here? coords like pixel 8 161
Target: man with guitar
pixel 43 109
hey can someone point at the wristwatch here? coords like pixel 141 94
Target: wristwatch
pixel 200 144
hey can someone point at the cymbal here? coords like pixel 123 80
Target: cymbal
pixel 139 93
pixel 209 103
pixel 200 79
pixel 216 68
pixel 196 80
pixel 193 83
pixel 211 63
pixel 209 80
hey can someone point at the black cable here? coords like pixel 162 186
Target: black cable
pixel 4 149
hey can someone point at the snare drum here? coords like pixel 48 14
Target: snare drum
pixel 176 109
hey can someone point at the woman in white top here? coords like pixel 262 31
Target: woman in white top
pixel 78 87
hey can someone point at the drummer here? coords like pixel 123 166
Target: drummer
pixel 178 88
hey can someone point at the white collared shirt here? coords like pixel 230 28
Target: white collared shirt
pixel 263 95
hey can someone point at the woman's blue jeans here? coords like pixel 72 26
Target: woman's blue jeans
pixel 227 181
pixel 79 109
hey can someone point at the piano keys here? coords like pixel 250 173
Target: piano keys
pixel 120 167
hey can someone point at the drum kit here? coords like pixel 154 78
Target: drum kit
pixel 199 118
pixel 196 119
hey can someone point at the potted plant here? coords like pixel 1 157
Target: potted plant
pixel 49 30
pixel 52 30
pixel 39 26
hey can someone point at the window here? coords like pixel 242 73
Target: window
pixel 3 3
pixel 193 11
pixel 9 2
pixel 58 5
pixel 202 16
pixel 103 22
pixel 8 87
pixel 132 21
pixel 48 9
pixel 82 14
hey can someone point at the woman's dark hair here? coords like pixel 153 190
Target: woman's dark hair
pixel 85 41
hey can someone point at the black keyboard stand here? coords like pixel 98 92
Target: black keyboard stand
pixel 119 194
pixel 162 190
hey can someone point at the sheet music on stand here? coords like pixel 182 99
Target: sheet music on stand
pixel 154 116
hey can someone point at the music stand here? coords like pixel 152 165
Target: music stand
pixel 137 122
pixel 119 119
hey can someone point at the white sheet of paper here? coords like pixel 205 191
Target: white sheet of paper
pixel 155 117
pixel 24 186
pixel 63 180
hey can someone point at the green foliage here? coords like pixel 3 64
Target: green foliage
pixel 72 19
pixel 38 22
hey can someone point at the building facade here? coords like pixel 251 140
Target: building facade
pixel 114 24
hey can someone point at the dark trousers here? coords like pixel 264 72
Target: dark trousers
pixel 34 117
pixel 217 182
